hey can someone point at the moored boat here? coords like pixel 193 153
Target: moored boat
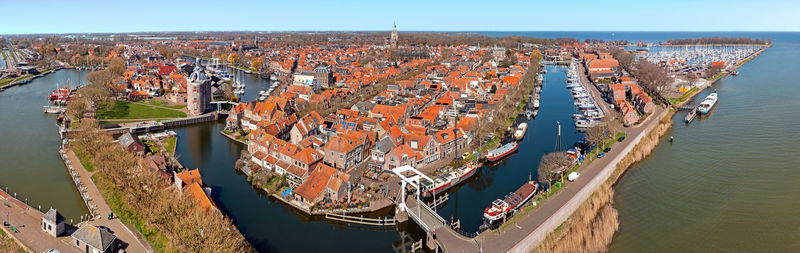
pixel 501 152
pixel 448 180
pixel 503 208
pixel 520 132
pixel 53 109
pixel 708 103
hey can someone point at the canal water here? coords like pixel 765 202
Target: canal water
pixel 29 141
pixel 729 182
pixel 468 201
pixel 274 227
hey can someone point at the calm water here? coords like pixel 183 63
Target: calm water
pixel 724 185
pixel 29 162
pixel 274 227
pixel 729 182
pixel 492 182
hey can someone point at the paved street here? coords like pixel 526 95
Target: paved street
pixel 28 221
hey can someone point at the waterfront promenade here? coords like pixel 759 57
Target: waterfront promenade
pixel 528 232
pixel 120 230
pixel 27 221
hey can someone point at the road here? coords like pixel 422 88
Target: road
pixel 528 232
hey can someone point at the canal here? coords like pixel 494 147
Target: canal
pixel 727 183
pixel 468 201
pixel 274 227
pixel 30 165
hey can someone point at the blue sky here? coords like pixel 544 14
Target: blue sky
pixel 78 16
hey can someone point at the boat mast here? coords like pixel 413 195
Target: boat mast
pixel 558 147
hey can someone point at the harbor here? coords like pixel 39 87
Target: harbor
pixel 200 145
pixel 730 172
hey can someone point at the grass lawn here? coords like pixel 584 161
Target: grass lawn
pixel 86 160
pixel 169 144
pixel 127 110
pixel 163 104
pixel 682 97
pixel 7 81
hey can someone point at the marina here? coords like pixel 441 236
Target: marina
pixel 591 114
pixel 469 187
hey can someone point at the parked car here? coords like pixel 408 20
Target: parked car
pixel 573 176
pixel 607 149
pixel 601 155
pixel 620 138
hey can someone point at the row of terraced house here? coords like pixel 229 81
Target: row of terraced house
pixel 423 121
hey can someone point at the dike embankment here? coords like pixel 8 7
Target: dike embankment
pixel 592 227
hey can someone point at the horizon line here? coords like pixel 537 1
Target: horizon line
pixel 409 31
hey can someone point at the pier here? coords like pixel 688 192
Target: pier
pixel 689 117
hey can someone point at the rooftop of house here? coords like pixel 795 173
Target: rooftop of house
pixel 94 236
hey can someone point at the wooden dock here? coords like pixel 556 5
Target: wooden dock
pixel 689 117
pixel 383 221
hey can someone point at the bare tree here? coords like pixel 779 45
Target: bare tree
pixel 597 134
pixel 76 108
pixel 117 66
pixel 551 165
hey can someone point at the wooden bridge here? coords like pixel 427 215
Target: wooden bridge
pixel 383 221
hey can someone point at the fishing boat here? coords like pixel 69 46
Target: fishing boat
pixel 708 103
pixel 520 132
pixel 501 152
pixel 528 113
pixel 502 208
pixel 448 180
pixel 536 103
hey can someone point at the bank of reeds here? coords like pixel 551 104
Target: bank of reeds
pixel 592 227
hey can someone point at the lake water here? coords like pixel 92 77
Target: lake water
pixel 727 183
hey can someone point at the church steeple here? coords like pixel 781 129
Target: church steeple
pixel 393 39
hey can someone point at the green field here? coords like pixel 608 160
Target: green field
pixel 127 110
pixel 162 104
pixel 169 144
pixel 7 81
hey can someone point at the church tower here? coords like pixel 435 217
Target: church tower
pixel 393 39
